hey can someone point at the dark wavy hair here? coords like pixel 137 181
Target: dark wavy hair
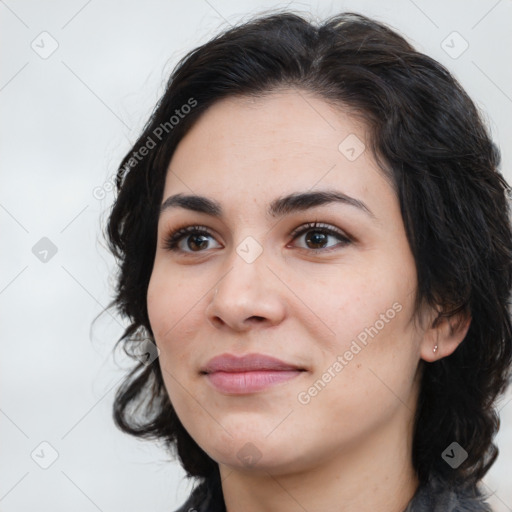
pixel 430 142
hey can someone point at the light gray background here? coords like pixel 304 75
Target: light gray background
pixel 66 121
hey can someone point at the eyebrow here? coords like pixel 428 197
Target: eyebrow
pixel 298 201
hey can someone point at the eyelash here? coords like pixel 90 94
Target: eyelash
pixel 174 237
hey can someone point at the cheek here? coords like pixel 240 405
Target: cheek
pixel 174 317
pixel 373 347
pixel 176 313
pixel 368 368
pixel 362 306
pixel 169 301
pixel 161 306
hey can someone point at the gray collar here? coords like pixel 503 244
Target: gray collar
pixel 434 496
pixel 438 496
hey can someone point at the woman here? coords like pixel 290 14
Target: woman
pixel 313 233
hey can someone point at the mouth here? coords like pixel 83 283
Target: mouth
pixel 247 363
pixel 230 374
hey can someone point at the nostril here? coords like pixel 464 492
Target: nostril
pixel 256 318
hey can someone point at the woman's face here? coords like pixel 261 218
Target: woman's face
pixel 334 300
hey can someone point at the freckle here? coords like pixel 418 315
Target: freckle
pixel 359 365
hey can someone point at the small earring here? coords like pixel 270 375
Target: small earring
pixel 434 349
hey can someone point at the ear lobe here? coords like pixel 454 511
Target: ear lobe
pixel 445 335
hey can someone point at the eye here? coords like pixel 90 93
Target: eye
pixel 317 236
pixel 189 239
pixel 196 239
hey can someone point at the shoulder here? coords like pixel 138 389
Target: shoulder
pixel 438 496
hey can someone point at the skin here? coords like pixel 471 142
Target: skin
pixel 349 447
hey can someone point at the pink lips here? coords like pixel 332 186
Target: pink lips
pixel 249 373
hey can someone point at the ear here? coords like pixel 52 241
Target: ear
pixel 444 335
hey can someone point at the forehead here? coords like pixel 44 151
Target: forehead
pixel 284 141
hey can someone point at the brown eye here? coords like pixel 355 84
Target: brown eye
pixel 188 240
pixel 318 236
pixel 196 242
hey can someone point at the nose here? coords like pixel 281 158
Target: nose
pixel 248 295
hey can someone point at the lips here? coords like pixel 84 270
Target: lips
pixel 247 363
pixel 248 374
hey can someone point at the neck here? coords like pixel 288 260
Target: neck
pixel 374 475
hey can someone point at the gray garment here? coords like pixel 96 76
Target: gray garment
pixel 434 496
pixel 437 496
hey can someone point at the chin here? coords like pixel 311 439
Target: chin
pixel 255 453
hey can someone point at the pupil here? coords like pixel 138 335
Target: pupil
pixel 317 238
pixel 200 244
